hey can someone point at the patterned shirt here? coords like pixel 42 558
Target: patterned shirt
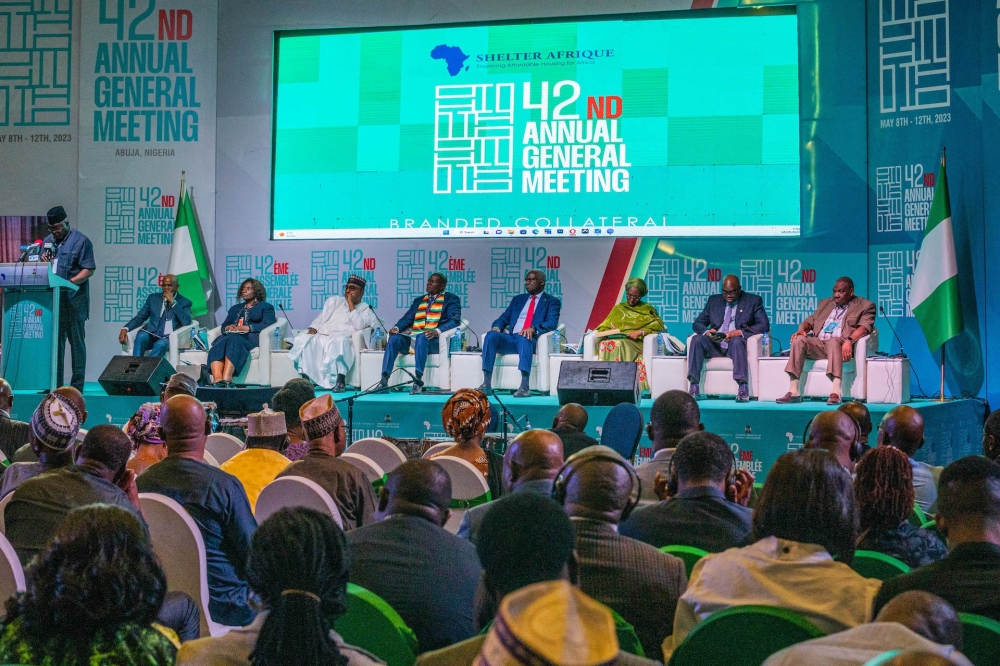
pixel 914 546
pixel 129 645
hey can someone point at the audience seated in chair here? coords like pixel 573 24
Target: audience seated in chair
pixel 673 416
pixel 75 398
pixel 805 526
pixel 883 489
pixel 700 513
pixel 289 399
pixel 428 575
pixel 214 499
pixel 991 436
pixel 465 418
pixel 598 489
pixel 298 566
pixel 323 428
pixel 570 424
pixel 969 515
pixel 911 621
pixel 53 429
pixel 13 434
pixel 903 428
pixel 836 432
pixel 262 460
pixel 92 596
pixel 144 426
pixel 857 411
pixel 530 463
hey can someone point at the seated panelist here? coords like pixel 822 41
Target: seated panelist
pixel 622 330
pixel 722 329
pixel 829 333
pixel 160 316
pixel 240 332
pixel 528 316
pixel 428 316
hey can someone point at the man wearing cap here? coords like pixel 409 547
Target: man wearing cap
pixel 72 257
pixel 428 316
pixel 347 485
pixel 262 461
pixel 160 316
pixel 53 429
pixel 325 351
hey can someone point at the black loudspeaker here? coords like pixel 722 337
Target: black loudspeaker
pixel 135 375
pixel 238 402
pixel 598 383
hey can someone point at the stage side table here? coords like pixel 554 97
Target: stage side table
pixel 282 368
pixel 773 379
pixel 466 370
pixel 888 380
pixel 555 362
pixel 369 366
pixel 666 373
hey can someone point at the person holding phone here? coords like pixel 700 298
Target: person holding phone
pixel 240 332
pixel 160 316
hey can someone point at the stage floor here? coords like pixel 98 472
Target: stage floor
pixel 759 432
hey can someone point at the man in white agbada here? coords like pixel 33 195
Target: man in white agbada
pixel 326 350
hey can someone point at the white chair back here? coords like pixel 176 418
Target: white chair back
pixel 437 448
pixel 210 459
pixel 383 452
pixel 223 446
pixel 467 483
pixel 180 548
pixel 373 471
pixel 295 491
pixel 11 573
pixel 3 507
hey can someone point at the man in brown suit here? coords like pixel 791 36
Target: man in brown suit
pixel 836 325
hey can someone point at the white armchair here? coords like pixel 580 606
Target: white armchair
pixel 506 376
pixel 258 369
pixel 360 340
pixel 437 371
pixel 717 373
pixel 665 373
pixel 854 382
pixel 180 339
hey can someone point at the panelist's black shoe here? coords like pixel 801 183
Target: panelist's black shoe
pixel 340 386
pixel 695 390
pixel 383 382
pixel 416 389
pixel 744 393
pixel 485 388
pixel 521 393
pixel 222 383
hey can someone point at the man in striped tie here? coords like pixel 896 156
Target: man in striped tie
pixel 428 316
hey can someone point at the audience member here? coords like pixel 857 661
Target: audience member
pixel 884 493
pixel 350 489
pixel 214 499
pixel 529 465
pixel 969 516
pixel 289 399
pixel 53 430
pixel 911 621
pixel 465 418
pixel 428 575
pixel 298 566
pixel 26 453
pixel 903 428
pixel 699 515
pixel 91 597
pixel 836 432
pixel 262 460
pixel 598 489
pixel 570 424
pixel 673 416
pixel 98 477
pixel 991 436
pixel 857 411
pixel 13 434
pixel 805 526
pixel 919 658
pixel 143 429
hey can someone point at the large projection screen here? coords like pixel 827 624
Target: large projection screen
pixel 673 124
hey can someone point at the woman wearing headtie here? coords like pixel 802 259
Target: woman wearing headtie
pixel 147 440
pixel 620 334
pixel 465 418
pixel 240 333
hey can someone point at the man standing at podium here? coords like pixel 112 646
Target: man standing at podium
pixel 72 257
pixel 162 314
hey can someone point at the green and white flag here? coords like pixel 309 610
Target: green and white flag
pixel 934 291
pixel 187 258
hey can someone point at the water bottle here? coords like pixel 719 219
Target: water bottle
pixel 556 347
pixel 455 343
pixel 765 345
pixel 377 339
pixel 661 345
pixel 277 339
pixel 464 345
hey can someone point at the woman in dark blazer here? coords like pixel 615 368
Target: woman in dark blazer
pixel 240 332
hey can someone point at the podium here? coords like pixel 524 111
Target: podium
pixel 31 293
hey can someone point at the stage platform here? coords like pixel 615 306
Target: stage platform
pixel 758 431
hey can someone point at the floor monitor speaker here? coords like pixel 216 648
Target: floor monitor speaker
pixel 604 383
pixel 135 375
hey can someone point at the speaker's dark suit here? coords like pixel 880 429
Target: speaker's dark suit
pixel 748 317
pixel 13 434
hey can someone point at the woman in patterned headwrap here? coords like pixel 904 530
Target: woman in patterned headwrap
pixel 465 417
pixel 147 440
pixel 620 334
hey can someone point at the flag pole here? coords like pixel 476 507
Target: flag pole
pixel 944 157
pixel 182 188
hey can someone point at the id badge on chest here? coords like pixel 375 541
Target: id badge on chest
pixel 830 327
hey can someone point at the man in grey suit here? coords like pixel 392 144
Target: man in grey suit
pixel 598 489
pixel 160 315
pixel 427 574
pixel 529 465
pixel 836 325
pixel 13 434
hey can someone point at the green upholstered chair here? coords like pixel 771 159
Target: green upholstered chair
pixel 879 566
pixel 689 554
pixel 371 624
pixel 981 638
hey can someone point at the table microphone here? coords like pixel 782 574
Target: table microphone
pixel 902 354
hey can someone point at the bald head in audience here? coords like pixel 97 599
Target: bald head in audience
pixel 902 427
pixel 185 427
pixel 572 416
pixel 834 431
pixel 6 395
pixel 596 489
pixel 857 411
pixel 420 488
pixel 926 614
pixel 534 455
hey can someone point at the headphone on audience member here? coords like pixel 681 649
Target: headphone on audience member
pixel 593 454
pixel 673 480
pixel 856 447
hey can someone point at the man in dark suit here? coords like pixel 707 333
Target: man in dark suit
pixel 160 316
pixel 428 316
pixel 599 489
pixel 699 515
pixel 735 314
pixel 528 316
pixel 427 574
pixel 13 434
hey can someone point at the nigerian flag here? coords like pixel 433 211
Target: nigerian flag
pixel 187 257
pixel 934 290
